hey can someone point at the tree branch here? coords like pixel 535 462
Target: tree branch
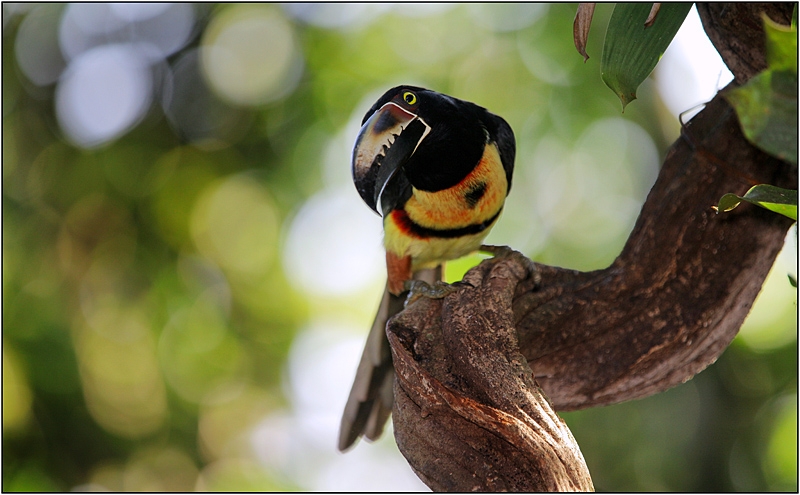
pixel 676 296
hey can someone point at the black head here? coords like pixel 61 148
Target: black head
pixel 415 136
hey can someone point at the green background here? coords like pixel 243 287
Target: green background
pixel 184 303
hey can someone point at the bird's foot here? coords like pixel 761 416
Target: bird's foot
pixel 437 290
pixel 500 252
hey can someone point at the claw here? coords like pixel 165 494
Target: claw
pixel 438 290
pixel 506 252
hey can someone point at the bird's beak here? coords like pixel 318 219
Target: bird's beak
pixel 386 142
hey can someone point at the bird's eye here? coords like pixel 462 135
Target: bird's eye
pixel 409 97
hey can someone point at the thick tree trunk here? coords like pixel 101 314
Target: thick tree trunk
pixel 469 414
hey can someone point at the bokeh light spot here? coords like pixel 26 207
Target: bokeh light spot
pixel 333 247
pixel 17 397
pixel 103 93
pixel 95 232
pixel 36 47
pixel 248 54
pixel 227 418
pixel 780 463
pixel 196 112
pixel 160 29
pixel 185 173
pixel 320 377
pixel 121 380
pixel 137 11
pixel 299 445
pixel 335 15
pixel 236 225
pixel 770 324
pixel 85 26
pixel 197 352
pixel 588 196
pixel 153 469
pixel 502 17
pixel 236 475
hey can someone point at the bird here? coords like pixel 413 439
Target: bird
pixel 437 169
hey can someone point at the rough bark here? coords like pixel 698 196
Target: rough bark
pixel 468 415
pixel 676 296
pixel 473 418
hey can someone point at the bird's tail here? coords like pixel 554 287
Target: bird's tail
pixel 371 397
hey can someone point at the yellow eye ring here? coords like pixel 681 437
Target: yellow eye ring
pixel 409 98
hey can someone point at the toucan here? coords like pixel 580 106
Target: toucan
pixel 438 170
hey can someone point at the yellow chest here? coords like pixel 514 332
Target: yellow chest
pixel 438 226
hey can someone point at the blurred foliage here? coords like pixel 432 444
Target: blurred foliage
pixel 188 274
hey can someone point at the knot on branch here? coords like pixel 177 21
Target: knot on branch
pixel 468 413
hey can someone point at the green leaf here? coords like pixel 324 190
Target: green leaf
pixel 767 110
pixel 631 50
pixel 728 202
pixel 781 46
pixel 783 201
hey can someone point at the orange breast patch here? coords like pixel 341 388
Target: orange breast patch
pixel 474 200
